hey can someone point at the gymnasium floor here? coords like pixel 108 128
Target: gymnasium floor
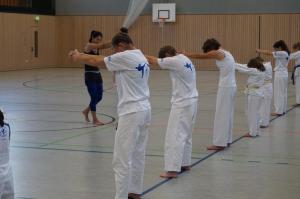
pixel 56 155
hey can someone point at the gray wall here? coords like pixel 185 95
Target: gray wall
pixel 119 7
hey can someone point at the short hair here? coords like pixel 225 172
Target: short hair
pixel 255 63
pixel 167 50
pixel 121 37
pixel 210 44
pixel 95 34
pixel 282 45
pixel 296 46
pixel 259 58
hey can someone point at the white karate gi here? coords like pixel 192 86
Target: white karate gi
pixel 296 56
pixel 131 69
pixel 224 114
pixel 280 81
pixel 6 176
pixel 265 108
pixel 254 95
pixel 178 140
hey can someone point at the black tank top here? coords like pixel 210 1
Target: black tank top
pixel 92 73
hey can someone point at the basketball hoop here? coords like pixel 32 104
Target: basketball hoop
pixel 161 22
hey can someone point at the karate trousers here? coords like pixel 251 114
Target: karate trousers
pixel 223 123
pixel 280 93
pixel 6 183
pixel 265 108
pixel 178 140
pixel 252 112
pixel 129 153
pixel 297 87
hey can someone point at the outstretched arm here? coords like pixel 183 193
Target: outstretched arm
pixel 214 54
pixel 93 46
pixel 264 52
pixel 152 60
pixel 94 60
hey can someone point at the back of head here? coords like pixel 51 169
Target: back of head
pixel 282 45
pixel 260 59
pixel 296 46
pixel 167 51
pixel 121 37
pixel 210 44
pixel 1 118
pixel 94 34
pixel 255 63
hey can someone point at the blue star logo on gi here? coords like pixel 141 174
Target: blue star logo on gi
pixel 141 67
pixel 188 65
pixel 3 133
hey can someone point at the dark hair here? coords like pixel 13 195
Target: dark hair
pixel 95 34
pixel 296 46
pixel 167 50
pixel 121 37
pixel 1 118
pixel 210 44
pixel 259 58
pixel 282 45
pixel 255 63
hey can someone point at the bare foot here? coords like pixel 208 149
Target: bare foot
pixel 185 168
pixel 248 135
pixel 276 114
pixel 215 148
pixel 98 123
pixel 169 174
pixel 85 112
pixel 134 196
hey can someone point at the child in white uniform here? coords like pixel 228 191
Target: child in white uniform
pixel 296 72
pixel 223 123
pixel 6 176
pixel 265 108
pixel 281 56
pixel 178 141
pixel 254 93
pixel 131 70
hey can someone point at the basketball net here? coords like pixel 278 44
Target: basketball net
pixel 161 22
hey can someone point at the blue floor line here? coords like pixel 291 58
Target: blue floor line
pixel 202 159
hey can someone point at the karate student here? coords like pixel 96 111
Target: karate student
pixel 131 71
pixel 6 176
pixel 281 56
pixel 254 93
pixel 265 108
pixel 178 140
pixel 223 123
pixel 296 72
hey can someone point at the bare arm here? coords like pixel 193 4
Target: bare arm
pixel 93 46
pixel 264 52
pixel 214 54
pixel 94 60
pixel 152 60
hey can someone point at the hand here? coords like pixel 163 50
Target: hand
pixel 73 54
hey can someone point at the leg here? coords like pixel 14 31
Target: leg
pixel 95 90
pixel 222 122
pixel 297 87
pixel 86 112
pixel 173 144
pixel 187 153
pixel 280 94
pixel 125 143
pixel 253 115
pixel 138 156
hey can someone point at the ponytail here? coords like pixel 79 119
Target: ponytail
pixel 1 119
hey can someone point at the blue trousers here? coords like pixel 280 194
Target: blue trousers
pixel 95 90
